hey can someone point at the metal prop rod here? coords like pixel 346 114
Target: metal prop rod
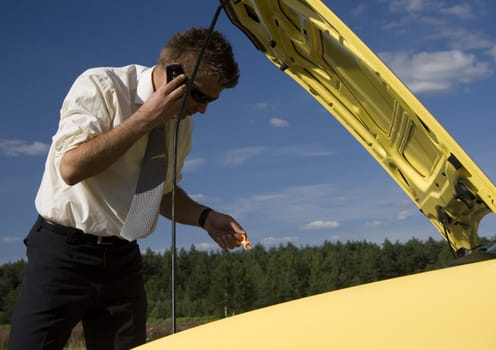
pixel 174 171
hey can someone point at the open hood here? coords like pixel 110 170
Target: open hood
pixel 307 41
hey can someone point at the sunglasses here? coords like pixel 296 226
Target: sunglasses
pixel 200 97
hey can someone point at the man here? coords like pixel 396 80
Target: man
pixel 83 265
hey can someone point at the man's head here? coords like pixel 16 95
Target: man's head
pixel 218 60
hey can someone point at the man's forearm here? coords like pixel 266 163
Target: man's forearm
pixel 187 211
pixel 95 155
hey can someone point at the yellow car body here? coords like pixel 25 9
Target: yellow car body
pixel 451 308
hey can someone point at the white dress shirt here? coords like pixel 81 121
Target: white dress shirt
pixel 100 99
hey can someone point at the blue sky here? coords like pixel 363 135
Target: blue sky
pixel 267 152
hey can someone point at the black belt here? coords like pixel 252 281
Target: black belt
pixel 77 236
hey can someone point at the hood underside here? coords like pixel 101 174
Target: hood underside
pixel 307 41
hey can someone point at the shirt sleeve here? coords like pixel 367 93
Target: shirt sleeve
pixel 86 112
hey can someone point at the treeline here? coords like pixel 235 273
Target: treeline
pixel 227 283
pixel 223 283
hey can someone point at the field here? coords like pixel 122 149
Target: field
pixel 155 330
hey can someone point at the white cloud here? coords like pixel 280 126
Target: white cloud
pixel 239 156
pixel 265 197
pixel 206 246
pixel 303 151
pixel 359 10
pixel 14 148
pixel 279 123
pixel 275 241
pixel 436 71
pixel 492 52
pixel 321 225
pixel 407 5
pixel 289 202
pixel 374 224
pixel 261 105
pixel 365 210
pixel 202 246
pixel 10 239
pixel 193 164
pixel 463 11
pixel 403 215
pixel 198 197
pixel 461 39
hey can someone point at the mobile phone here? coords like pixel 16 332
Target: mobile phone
pixel 173 70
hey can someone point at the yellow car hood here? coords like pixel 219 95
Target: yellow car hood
pixel 313 46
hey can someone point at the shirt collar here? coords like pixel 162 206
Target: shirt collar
pixel 145 86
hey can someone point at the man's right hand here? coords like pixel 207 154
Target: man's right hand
pixel 164 103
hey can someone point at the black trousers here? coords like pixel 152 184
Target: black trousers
pixel 70 279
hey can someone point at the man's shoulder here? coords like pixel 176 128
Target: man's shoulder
pixel 126 77
pixel 124 71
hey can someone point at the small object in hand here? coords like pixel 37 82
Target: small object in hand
pixel 246 244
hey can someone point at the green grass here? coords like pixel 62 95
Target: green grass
pixel 155 329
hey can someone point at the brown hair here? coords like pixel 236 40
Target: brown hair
pixel 218 60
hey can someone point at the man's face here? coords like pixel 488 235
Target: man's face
pixel 204 91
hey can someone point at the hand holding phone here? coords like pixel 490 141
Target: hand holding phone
pixel 173 70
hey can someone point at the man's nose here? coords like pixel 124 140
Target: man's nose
pixel 202 107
